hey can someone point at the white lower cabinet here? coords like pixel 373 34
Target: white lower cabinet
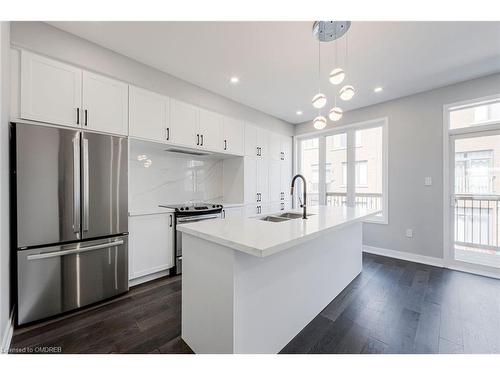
pixel 151 244
pixel 232 212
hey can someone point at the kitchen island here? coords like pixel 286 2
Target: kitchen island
pixel 250 285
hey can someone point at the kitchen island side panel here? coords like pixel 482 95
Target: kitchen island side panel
pixel 207 296
pixel 277 296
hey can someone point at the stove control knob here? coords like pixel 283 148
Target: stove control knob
pixel 182 209
pixel 213 206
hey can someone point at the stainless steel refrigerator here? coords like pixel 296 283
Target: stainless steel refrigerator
pixel 70 218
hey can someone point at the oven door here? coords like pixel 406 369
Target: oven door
pixel 178 235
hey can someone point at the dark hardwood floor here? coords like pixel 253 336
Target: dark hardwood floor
pixel 394 306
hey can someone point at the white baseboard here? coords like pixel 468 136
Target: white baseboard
pixel 146 278
pixel 411 257
pixel 423 259
pixel 8 332
pixel 474 271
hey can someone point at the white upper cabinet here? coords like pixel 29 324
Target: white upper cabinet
pixel 250 179
pixel 256 141
pixel 263 180
pixel 210 130
pixel 286 148
pixel 148 115
pixel 275 191
pixel 50 91
pixel 184 120
pixel 233 136
pixel 105 104
pixel 251 140
pixel 286 180
pixel 274 141
pixel 263 142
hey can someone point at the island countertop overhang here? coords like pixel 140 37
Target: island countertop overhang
pixel 262 238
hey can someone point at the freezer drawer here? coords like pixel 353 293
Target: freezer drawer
pixel 56 279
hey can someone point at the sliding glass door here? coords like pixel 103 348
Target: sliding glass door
pixel 347 166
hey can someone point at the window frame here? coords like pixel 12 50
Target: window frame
pixel 350 129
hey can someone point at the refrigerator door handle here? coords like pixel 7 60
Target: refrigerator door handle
pixel 54 254
pixel 76 184
pixel 85 185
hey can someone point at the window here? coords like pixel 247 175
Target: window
pixel 361 173
pixel 341 175
pixel 309 167
pixel 474 114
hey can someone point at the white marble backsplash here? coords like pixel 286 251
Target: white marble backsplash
pixel 160 177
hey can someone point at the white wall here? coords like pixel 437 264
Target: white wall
pixel 415 151
pixel 52 42
pixel 4 180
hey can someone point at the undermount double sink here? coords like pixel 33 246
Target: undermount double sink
pixel 282 217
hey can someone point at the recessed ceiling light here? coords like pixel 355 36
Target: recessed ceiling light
pixel 234 80
pixel 298 113
pixel 378 89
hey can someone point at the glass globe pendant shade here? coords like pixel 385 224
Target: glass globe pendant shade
pixel 319 101
pixel 319 122
pixel 337 75
pixel 335 114
pixel 346 92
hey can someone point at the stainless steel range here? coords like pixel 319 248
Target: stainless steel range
pixel 189 213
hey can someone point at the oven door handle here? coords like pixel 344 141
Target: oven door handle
pixel 197 218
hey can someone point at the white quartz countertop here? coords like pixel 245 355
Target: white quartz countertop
pixel 264 238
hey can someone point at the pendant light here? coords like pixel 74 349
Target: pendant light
pixel 319 122
pixel 346 92
pixel 337 75
pixel 329 31
pixel 335 113
pixel 319 100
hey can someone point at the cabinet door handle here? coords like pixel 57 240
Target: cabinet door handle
pixel 223 214
pixel 201 144
pixel 86 116
pixel 78 116
pixel 170 221
pixel 257 151
pixel 225 144
pixel 197 139
pixel 168 134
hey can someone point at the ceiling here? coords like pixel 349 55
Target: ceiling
pixel 277 62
